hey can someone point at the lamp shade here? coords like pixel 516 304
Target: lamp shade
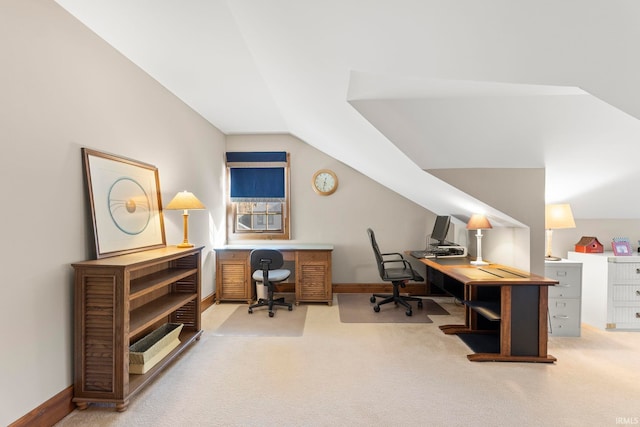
pixel 558 216
pixel 185 200
pixel 478 222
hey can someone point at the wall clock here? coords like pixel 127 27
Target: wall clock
pixel 324 182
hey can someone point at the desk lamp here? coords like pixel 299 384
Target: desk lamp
pixel 555 217
pixel 478 222
pixel 185 200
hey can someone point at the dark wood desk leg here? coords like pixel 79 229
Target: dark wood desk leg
pixel 467 327
pixel 543 307
pixel 505 321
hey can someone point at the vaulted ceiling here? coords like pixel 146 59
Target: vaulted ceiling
pixel 395 87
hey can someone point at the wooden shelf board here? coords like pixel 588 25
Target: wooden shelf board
pixel 150 313
pixel 151 282
pixel 488 309
pixel 137 381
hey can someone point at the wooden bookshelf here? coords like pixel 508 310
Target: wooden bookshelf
pixel 121 299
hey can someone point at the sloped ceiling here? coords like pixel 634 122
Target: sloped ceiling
pixel 394 87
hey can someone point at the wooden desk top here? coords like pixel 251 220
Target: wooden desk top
pixel 489 275
pixel 270 244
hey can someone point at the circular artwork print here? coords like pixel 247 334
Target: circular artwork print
pixel 129 206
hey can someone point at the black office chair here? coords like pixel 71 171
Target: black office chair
pixel 266 264
pixel 397 270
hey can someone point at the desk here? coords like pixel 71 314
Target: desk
pixel 310 266
pixel 505 309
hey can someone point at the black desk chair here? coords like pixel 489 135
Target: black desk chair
pixel 266 264
pixel 397 270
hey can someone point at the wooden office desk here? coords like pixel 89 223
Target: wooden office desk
pixel 505 309
pixel 310 266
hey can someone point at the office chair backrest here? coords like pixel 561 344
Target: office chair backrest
pixel 376 251
pixel 266 259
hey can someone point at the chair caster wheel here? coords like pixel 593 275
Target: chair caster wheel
pixel 372 299
pixel 419 304
pixel 376 308
pixel 409 313
pixel 290 308
pixel 271 313
pixel 250 311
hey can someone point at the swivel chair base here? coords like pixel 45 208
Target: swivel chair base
pixel 270 302
pixel 396 298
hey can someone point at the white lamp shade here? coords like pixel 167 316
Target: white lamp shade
pixel 558 216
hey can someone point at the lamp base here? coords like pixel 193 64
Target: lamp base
pixel 552 258
pixel 479 262
pixel 185 245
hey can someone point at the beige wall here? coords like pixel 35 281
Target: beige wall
pixel 520 194
pixel 63 88
pixel 565 240
pixel 342 218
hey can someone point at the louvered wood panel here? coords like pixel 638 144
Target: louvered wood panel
pixel 188 284
pixel 233 284
pixel 186 314
pixel 186 262
pixel 99 334
pixel 312 281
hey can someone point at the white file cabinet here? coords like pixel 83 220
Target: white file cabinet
pixel 611 290
pixel 564 298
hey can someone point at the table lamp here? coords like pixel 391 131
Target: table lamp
pixel 555 217
pixel 185 201
pixel 478 222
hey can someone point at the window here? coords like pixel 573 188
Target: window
pixel 257 195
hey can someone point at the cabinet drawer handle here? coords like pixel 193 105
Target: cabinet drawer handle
pixel 638 293
pixel 637 315
pixel 566 317
pixel 637 270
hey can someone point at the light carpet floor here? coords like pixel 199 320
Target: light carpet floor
pixel 357 308
pixel 284 323
pixel 380 374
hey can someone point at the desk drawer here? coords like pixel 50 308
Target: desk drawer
pixel 569 279
pixel 627 315
pixel 626 293
pixel 565 290
pixel 624 273
pixel 564 317
pixel 234 255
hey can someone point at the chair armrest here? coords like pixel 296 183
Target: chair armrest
pixel 393 253
pixel 403 261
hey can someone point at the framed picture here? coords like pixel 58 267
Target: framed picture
pixel 126 207
pixel 621 247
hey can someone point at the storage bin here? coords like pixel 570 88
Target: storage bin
pixel 145 353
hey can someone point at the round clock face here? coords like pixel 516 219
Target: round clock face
pixel 325 182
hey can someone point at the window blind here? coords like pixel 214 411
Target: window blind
pixel 257 176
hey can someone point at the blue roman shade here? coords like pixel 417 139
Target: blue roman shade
pixel 257 176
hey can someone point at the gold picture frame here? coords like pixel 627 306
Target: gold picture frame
pixel 125 202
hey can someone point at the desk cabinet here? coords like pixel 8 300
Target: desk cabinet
pixel 119 300
pixel 311 273
pixel 505 309
pixel 564 298
pixel 610 290
pixel 233 276
pixel 313 276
